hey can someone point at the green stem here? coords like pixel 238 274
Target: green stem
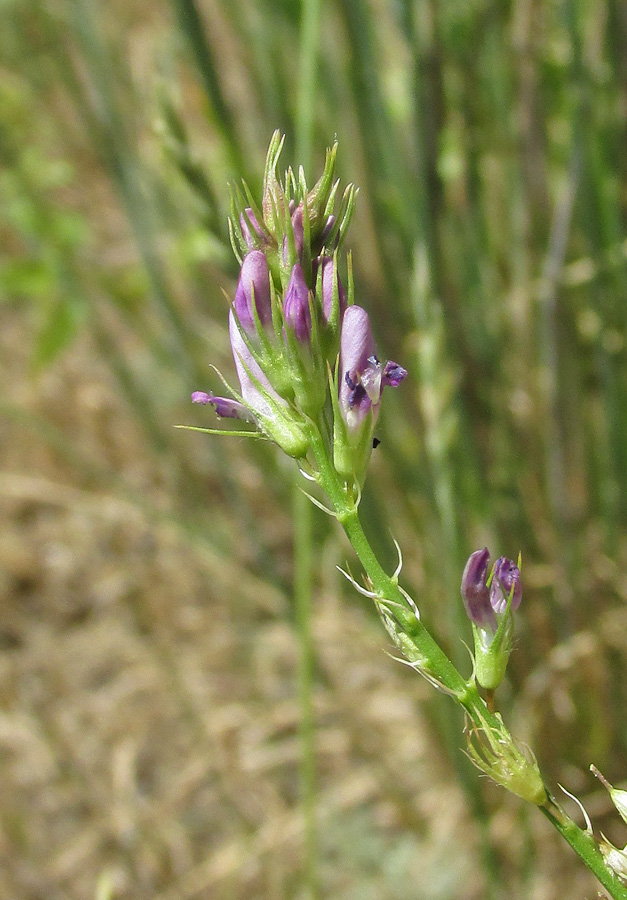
pixel 439 666
pixel 585 847
pixel 303 598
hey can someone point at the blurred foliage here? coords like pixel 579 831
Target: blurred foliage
pixel 488 141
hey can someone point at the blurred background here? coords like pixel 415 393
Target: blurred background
pixel 149 659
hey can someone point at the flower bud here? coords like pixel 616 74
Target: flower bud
pixel 490 611
pixel 324 275
pixel 254 280
pixel 296 311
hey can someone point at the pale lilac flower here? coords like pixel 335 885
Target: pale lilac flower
pixel 361 376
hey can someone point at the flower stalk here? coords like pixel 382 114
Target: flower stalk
pixel 311 381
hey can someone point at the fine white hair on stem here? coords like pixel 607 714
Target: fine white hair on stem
pixel 397 570
pixel 320 505
pixel 362 590
pixel 411 602
pixel 581 807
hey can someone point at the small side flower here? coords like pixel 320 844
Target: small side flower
pixel 489 602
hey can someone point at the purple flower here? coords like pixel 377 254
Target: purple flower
pixel 254 279
pixel 506 576
pixel 224 406
pixel 324 269
pixel 296 312
pixel 361 376
pixel 475 592
pixel 486 606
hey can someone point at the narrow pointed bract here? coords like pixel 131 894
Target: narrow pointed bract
pixel 325 275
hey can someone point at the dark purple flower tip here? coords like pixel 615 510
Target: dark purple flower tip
pixel 393 374
pixel 252 232
pixel 506 575
pixel 254 278
pixel 296 311
pixel 475 592
pixel 326 266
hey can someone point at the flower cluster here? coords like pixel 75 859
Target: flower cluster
pixel 302 349
pixel 489 601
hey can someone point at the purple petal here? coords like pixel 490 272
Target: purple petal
pixel 358 368
pixel 475 593
pixel 296 312
pixel 224 407
pixel 506 575
pixel 393 374
pixel 254 277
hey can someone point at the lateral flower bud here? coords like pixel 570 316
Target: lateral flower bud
pixel 325 277
pixel 254 282
pixel 489 602
pixel 361 379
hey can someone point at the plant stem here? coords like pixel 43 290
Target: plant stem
pixel 440 667
pixel 302 598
